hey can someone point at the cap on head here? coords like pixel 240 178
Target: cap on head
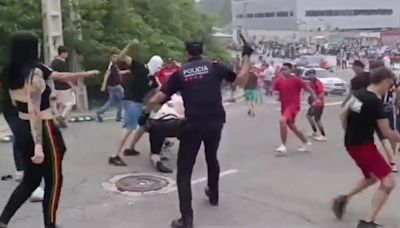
pixel 194 48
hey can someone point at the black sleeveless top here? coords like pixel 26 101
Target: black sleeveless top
pixel 45 102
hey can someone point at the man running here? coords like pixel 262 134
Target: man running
pixel 316 109
pixel 290 87
pixel 360 117
pixel 361 81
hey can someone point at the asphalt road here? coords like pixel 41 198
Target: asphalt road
pixel 258 189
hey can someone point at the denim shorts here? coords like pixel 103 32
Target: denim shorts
pixel 132 112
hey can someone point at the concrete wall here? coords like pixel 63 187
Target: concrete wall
pixel 299 21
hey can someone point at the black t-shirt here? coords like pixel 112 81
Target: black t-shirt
pixel 366 109
pixel 60 66
pixel 138 83
pixel 360 81
pixel 199 82
pixel 115 76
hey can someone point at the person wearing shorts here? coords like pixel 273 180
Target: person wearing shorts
pixel 251 93
pixel 361 114
pixel 316 109
pixel 136 87
pixel 290 87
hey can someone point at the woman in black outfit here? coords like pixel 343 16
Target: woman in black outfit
pixel 40 141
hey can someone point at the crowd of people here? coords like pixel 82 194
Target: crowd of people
pixel 184 101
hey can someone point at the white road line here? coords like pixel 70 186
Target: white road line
pixel 204 179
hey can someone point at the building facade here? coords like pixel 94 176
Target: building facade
pixel 315 15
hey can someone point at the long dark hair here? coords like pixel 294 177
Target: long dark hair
pixel 24 57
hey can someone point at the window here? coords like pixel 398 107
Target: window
pixel 347 13
pixel 258 15
pixel 269 14
pixel 315 13
pixel 282 14
pixel 291 13
pixel 250 15
pixel 239 16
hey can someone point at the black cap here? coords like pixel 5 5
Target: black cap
pixel 194 48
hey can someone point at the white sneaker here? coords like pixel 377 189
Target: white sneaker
pixel 321 138
pixel 312 134
pixel 281 150
pixel 18 176
pixel 37 195
pixel 305 147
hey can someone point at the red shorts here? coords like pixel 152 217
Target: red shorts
pixel 290 114
pixel 370 160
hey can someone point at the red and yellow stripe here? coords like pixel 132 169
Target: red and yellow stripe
pixel 55 159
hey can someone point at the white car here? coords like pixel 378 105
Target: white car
pixel 332 83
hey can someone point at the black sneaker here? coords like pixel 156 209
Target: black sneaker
pixel 99 117
pixel 131 152
pixel 116 161
pixel 180 223
pixel 364 224
pixel 212 196
pixel 339 206
pixel 161 168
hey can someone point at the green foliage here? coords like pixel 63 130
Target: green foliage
pixel 161 26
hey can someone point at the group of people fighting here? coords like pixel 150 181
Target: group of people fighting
pixel 183 102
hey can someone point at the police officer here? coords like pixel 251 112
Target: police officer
pixel 199 82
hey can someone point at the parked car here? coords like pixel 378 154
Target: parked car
pixel 332 84
pixel 309 61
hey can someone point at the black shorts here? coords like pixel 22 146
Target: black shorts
pixel 392 122
pixel 315 112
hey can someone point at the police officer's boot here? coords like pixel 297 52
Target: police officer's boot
pixel 182 223
pixel 212 195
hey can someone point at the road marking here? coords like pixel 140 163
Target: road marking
pixel 204 179
pixel 225 173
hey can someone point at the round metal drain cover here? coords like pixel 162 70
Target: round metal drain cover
pixel 141 183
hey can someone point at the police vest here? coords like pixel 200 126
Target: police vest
pixel 201 90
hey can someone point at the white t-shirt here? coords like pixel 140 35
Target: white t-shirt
pixel 169 108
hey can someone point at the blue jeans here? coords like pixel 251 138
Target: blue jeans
pixel 12 121
pixel 115 95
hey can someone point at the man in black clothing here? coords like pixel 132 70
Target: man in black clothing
pixel 137 85
pixel 65 90
pixel 362 114
pixel 199 82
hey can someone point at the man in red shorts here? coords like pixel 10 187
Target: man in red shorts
pixel 290 87
pixel 360 117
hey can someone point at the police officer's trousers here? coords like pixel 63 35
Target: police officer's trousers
pixel 193 135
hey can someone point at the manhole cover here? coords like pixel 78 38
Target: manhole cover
pixel 140 183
